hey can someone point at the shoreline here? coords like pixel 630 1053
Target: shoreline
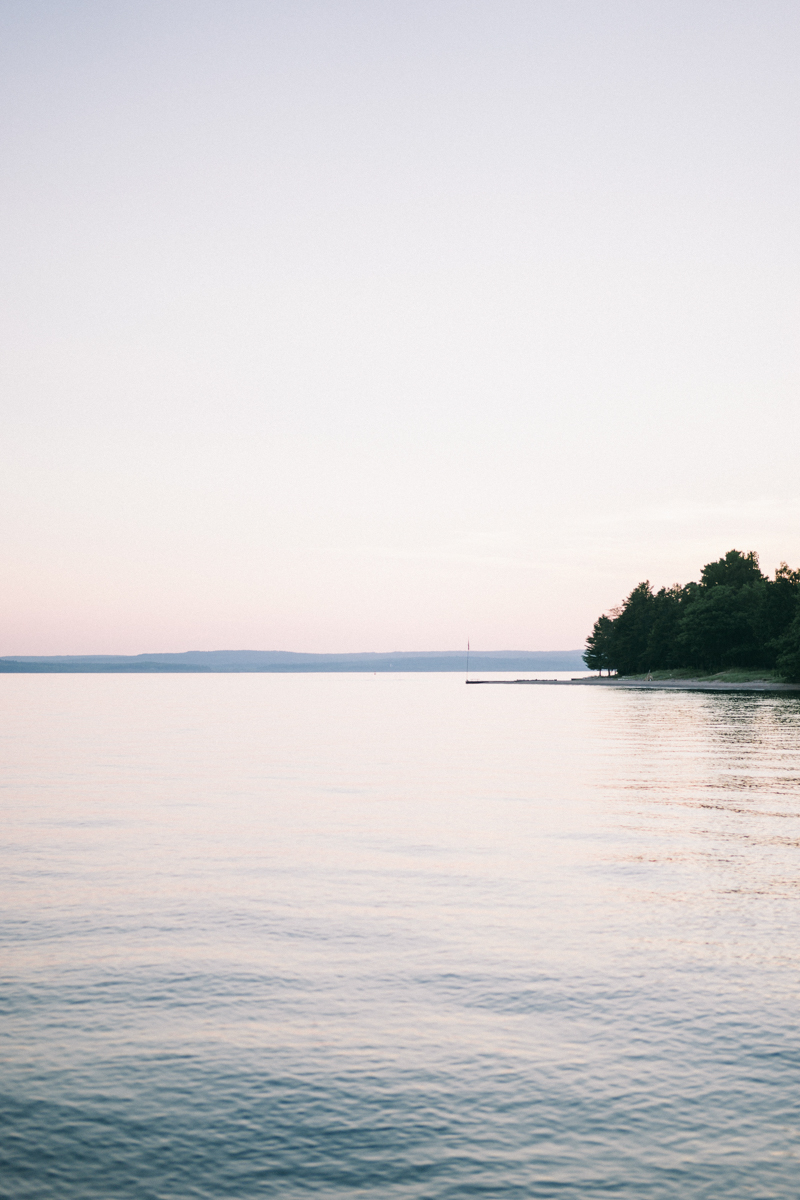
pixel 673 685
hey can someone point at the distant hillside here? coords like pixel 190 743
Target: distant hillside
pixel 284 660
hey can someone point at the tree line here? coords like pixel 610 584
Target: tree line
pixel 734 617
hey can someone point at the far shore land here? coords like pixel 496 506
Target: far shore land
pixel 227 661
pixel 738 680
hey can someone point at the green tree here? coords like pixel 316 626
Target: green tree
pixel 597 654
pixel 735 617
pixel 662 651
pixel 735 570
pixel 788 650
pixel 782 598
pixel 724 623
pixel 631 631
pixel 720 627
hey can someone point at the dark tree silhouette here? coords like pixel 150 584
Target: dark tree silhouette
pixel 734 617
pixel 597 655
pixel 734 570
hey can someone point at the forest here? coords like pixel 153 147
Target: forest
pixel 733 617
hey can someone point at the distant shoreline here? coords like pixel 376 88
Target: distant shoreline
pixel 671 685
pixel 282 661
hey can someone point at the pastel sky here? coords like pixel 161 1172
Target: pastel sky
pixel 379 325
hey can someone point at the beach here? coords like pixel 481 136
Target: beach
pixel 671 685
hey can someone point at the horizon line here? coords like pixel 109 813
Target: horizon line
pixel 287 653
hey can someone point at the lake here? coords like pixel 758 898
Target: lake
pixel 388 936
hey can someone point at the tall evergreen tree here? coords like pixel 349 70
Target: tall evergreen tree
pixel 631 632
pixel 598 654
pixel 788 651
pixel 735 570
pixel 662 650
pixel 780 607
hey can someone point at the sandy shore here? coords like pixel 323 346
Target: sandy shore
pixel 662 685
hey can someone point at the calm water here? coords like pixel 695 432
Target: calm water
pixel 392 937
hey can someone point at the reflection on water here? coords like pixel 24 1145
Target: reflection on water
pixel 389 936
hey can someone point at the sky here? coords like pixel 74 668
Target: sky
pixel 340 326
